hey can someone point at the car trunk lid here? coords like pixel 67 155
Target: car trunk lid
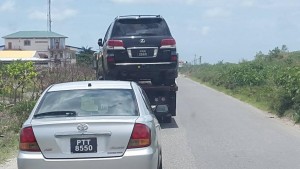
pixel 82 137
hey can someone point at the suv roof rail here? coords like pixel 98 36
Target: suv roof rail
pixel 138 16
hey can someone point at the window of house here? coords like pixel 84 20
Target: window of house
pixel 9 45
pixel 27 43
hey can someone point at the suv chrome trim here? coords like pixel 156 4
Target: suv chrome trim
pixel 156 63
pixel 168 47
pixel 154 53
pixel 138 16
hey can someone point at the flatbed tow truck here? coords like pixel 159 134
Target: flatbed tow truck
pixel 162 97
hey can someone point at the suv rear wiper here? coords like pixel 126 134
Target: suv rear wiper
pixel 147 34
pixel 57 113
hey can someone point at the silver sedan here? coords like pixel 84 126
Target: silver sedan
pixel 91 124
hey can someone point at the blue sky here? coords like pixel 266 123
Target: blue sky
pixel 218 30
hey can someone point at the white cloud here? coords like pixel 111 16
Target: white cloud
pixel 216 12
pixel 8 5
pixel 199 30
pixel 38 15
pixel 56 15
pixel 64 14
pixel 248 3
pixel 205 30
pixel 155 1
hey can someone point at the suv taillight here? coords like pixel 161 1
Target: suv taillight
pixel 115 43
pixel 167 43
pixel 140 137
pixel 28 141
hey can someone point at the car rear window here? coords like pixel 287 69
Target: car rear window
pixel 98 102
pixel 141 27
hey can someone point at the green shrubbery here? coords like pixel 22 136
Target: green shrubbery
pixel 272 79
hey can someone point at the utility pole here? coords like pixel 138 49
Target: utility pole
pixel 195 59
pixel 49 21
pixel 200 60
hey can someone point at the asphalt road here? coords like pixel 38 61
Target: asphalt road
pixel 215 131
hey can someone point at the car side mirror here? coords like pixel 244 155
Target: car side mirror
pixel 100 43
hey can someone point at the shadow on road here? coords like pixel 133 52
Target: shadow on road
pixel 173 124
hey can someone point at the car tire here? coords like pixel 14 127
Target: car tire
pixel 160 160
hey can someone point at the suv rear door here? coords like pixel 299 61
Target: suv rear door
pixel 142 40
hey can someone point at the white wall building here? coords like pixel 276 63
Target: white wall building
pixel 49 45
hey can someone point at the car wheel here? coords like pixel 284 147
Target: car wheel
pixel 160 160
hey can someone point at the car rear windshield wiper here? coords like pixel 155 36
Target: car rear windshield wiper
pixel 57 113
pixel 147 34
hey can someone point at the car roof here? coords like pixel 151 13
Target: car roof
pixel 91 85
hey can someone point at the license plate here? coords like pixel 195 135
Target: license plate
pixel 83 145
pixel 142 53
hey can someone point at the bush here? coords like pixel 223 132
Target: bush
pixel 273 82
pixel 21 112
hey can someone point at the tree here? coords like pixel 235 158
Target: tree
pixel 259 55
pixel 284 49
pixel 19 74
pixel 86 56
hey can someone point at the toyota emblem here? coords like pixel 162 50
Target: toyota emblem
pixel 82 127
pixel 142 40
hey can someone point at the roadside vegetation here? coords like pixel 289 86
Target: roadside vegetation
pixel 270 82
pixel 21 84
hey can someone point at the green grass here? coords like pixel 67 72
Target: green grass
pixel 11 120
pixel 10 138
pixel 241 94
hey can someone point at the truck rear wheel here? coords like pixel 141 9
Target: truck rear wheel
pixel 172 104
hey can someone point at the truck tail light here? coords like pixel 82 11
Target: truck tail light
pixel 167 43
pixel 110 59
pixel 174 58
pixel 140 137
pixel 115 43
pixel 28 141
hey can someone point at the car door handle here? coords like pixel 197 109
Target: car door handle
pixel 157 125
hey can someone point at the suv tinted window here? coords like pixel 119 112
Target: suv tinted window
pixel 104 102
pixel 141 27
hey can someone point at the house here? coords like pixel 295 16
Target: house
pixel 8 56
pixel 49 45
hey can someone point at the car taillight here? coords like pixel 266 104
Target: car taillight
pixel 28 141
pixel 168 43
pixel 115 43
pixel 140 137
pixel 174 58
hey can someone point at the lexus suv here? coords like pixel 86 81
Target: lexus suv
pixel 139 47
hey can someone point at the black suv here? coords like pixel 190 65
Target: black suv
pixel 139 47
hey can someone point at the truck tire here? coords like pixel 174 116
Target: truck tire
pixel 172 104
